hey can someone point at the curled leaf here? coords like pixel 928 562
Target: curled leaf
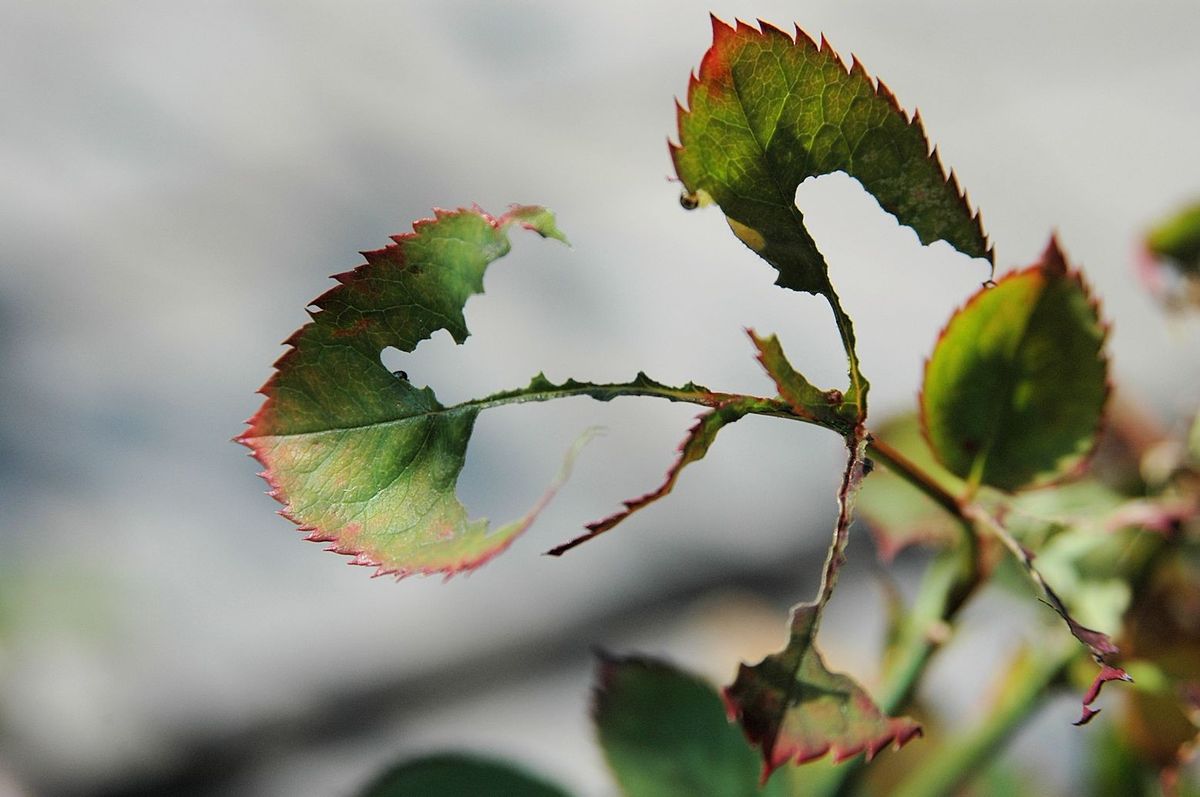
pixel 1015 390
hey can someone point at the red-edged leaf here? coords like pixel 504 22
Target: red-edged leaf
pixel 360 457
pixel 1015 390
pixel 793 708
pixel 768 110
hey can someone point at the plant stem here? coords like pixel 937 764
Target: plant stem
pixel 912 473
pixel 1028 678
pixel 947 584
pixel 845 326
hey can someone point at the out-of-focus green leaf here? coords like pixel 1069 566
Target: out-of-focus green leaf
pixel 898 514
pixel 1015 390
pixel 766 111
pixel 1177 238
pixel 665 734
pixel 459 775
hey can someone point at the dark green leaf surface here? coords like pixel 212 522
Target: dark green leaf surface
pixel 767 111
pixel 1015 390
pixel 665 734
pixel 459 775
pixel 359 456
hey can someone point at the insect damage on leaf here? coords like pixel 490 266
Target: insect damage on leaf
pixel 767 111
pixel 359 456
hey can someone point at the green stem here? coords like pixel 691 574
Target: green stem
pixel 845 326
pixel 961 759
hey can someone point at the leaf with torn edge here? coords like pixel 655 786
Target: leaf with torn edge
pixel 767 111
pixel 360 457
pixel 1015 390
pixel 366 461
pixel 789 704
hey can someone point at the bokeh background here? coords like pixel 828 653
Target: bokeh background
pixel 180 179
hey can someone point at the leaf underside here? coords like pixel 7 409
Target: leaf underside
pixel 1015 390
pixel 360 457
pixel 767 111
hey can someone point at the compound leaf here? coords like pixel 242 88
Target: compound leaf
pixel 665 734
pixel 766 111
pixel 1015 390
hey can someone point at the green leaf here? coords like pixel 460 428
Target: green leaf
pixel 1177 239
pixel 455 774
pixel 795 709
pixel 767 111
pixel 897 513
pixel 359 456
pixel 828 408
pixel 1015 389
pixel 665 734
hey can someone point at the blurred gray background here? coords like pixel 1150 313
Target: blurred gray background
pixel 181 178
